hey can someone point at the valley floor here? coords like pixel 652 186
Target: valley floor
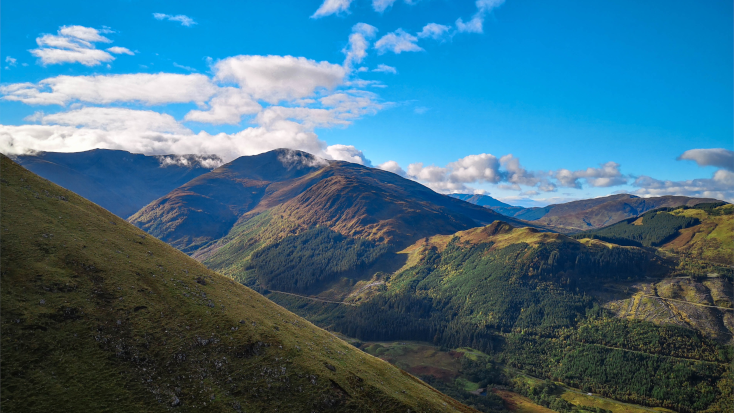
pixel 445 365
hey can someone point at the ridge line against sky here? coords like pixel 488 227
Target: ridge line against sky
pixel 73 98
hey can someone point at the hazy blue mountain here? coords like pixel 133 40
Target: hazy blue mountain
pixel 481 200
pixel 120 181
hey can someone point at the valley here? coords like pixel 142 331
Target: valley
pixel 637 313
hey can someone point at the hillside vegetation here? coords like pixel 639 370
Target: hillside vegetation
pixel 99 316
pixel 525 297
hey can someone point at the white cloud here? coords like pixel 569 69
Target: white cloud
pixel 518 175
pixel 605 176
pixel 338 109
pixel 392 166
pixel 183 19
pixel 475 168
pixel 120 50
pixel 719 157
pixel 117 119
pixel 329 7
pixel 382 68
pixel 356 50
pixel 477 21
pixel 719 186
pixel 12 62
pixel 151 89
pixel 381 5
pixel 227 106
pixel 74 44
pixel 397 42
pixel 347 153
pixel 276 78
pixel 433 30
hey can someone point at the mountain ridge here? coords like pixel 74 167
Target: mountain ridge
pixel 100 316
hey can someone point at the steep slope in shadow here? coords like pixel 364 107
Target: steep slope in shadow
pixel 99 316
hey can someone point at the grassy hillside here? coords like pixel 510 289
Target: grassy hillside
pixel 529 299
pixel 119 181
pixel 99 316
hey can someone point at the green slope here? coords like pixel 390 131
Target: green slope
pixel 528 298
pixel 99 316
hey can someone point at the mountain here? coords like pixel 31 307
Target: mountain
pixel 299 191
pixel 481 200
pixel 119 181
pixel 99 316
pixel 596 212
pixel 549 306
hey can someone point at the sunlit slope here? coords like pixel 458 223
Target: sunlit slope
pixel 531 299
pixel 99 316
pixel 354 200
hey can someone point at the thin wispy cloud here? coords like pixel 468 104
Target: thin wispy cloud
pixel 433 31
pixel 398 42
pixel 120 50
pixel 359 42
pixel 329 7
pixel 75 44
pixel 382 68
pixel 382 5
pixel 180 18
pixel 475 25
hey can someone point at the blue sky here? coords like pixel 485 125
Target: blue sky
pixel 622 87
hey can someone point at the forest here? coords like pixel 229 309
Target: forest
pixel 299 262
pixel 652 229
pixel 526 305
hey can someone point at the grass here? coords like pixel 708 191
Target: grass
pixel 98 316
pixel 520 404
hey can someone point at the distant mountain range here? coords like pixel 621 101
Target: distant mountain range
pixel 587 213
pixel 481 200
pixel 120 181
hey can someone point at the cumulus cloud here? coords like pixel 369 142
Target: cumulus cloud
pixel 228 106
pixel 180 18
pixel 718 157
pixel 338 109
pixel 117 119
pixel 347 153
pixel 72 44
pixel 719 186
pixel 475 25
pixel 329 7
pixel 276 78
pixel 605 176
pixel 150 89
pixel 434 31
pixel 507 173
pixel 392 166
pixel 11 62
pixel 382 68
pixel 475 168
pixel 250 141
pixel 356 50
pixel 397 42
